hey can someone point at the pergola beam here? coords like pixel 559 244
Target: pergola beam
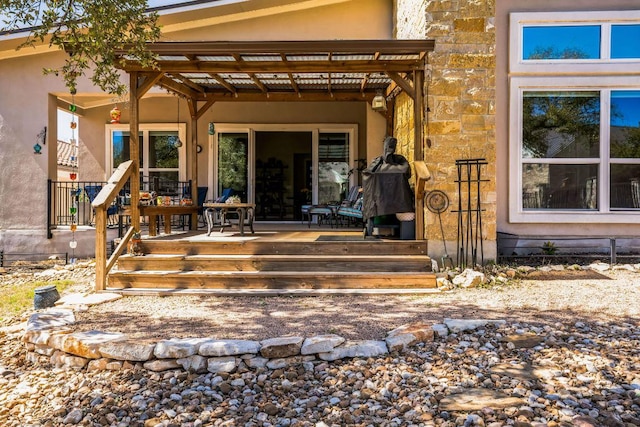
pixel 173 86
pixel 223 83
pixel 403 83
pixel 150 79
pixel 254 96
pixel 362 66
pixel 206 48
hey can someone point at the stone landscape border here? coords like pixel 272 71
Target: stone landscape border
pixel 49 339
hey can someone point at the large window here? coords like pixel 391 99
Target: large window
pixel 575 117
pixel 162 157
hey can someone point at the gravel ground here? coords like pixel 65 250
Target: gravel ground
pixel 582 368
pixel 553 296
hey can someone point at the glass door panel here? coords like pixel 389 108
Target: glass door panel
pixel 233 156
pixel 121 148
pixel 333 167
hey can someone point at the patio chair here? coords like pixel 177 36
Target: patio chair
pixel 202 196
pixel 112 211
pixel 330 212
pixel 351 208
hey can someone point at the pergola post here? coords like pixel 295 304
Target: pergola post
pixel 192 151
pixel 134 149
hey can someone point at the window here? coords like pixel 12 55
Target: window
pixel 574 42
pixel 561 42
pixel 160 156
pixel 575 117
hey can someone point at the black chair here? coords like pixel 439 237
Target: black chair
pixel 112 211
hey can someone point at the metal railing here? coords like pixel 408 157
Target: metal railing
pixel 8 258
pixel 69 202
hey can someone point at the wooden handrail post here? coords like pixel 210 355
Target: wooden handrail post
pixel 101 203
pixel 101 248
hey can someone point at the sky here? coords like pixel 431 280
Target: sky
pixel 64 129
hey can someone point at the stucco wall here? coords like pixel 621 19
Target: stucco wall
pixel 460 121
pixel 358 19
pixel 25 109
pixel 503 8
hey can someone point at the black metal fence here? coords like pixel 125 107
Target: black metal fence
pixel 69 202
pixel 7 259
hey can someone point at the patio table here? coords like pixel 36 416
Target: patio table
pixel 154 211
pixel 323 211
pixel 245 213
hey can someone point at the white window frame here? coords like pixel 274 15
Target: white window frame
pixel 604 64
pixel 603 74
pixel 602 84
pixel 144 130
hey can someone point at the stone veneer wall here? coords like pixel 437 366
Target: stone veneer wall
pixel 460 95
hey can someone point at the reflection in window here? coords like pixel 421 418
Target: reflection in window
pixel 625 186
pixel 233 150
pixel 333 167
pixel 163 152
pixel 624 41
pixel 561 125
pixel 625 124
pixel 121 148
pixel 561 42
pixel 560 186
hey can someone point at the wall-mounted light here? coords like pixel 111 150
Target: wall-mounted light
pixel 379 102
pixel 40 138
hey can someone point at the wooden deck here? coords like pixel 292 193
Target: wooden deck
pixel 277 259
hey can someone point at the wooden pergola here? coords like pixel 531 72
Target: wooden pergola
pixel 288 71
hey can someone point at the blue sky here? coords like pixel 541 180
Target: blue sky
pixel 582 38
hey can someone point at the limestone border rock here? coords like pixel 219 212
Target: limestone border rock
pixel 48 340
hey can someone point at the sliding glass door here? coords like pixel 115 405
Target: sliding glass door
pixel 280 168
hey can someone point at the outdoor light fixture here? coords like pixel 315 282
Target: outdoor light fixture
pixel 379 102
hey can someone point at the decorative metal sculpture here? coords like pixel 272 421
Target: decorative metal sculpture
pixel 437 202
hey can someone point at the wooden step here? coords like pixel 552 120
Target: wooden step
pixel 241 262
pixel 283 247
pixel 269 280
pixel 272 292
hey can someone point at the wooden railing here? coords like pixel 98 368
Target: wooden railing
pixel 102 201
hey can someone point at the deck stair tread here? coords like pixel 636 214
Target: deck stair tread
pixel 266 273
pixel 270 279
pixel 272 292
pixel 285 248
pixel 278 257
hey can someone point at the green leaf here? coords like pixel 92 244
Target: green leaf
pixel 89 31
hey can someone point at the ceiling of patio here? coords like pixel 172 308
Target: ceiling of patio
pixel 344 70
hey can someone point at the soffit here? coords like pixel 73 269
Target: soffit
pixel 282 70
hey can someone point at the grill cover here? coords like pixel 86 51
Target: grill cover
pixel 385 187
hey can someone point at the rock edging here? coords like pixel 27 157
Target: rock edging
pixel 49 339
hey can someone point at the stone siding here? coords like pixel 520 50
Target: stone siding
pixel 460 96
